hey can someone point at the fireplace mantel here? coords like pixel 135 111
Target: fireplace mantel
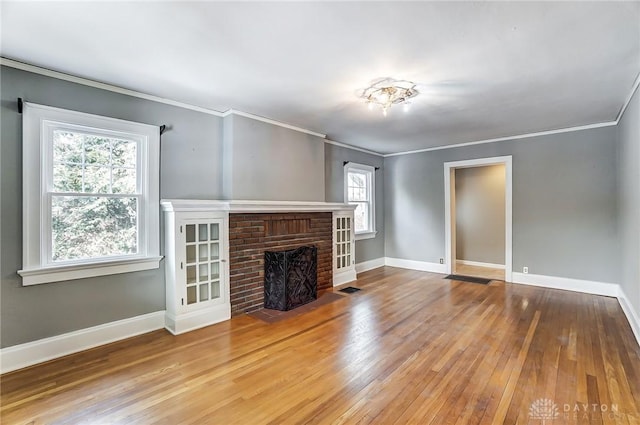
pixel 239 206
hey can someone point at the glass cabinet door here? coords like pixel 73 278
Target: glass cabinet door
pixel 343 241
pixel 202 268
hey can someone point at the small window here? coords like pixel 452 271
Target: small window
pixel 360 191
pixel 91 200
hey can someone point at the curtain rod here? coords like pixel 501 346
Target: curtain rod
pixel 163 127
pixel 346 162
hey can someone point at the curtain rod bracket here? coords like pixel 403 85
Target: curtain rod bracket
pixel 20 105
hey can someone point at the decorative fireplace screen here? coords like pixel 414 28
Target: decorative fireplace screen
pixel 290 278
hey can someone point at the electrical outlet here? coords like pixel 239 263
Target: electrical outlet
pixel 525 270
pixel 442 261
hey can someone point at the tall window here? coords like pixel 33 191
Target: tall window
pixel 360 191
pixel 90 195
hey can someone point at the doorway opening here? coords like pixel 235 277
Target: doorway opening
pixel 479 253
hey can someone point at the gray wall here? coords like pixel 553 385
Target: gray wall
pixel 367 249
pixel 480 214
pixel 629 196
pixel 271 163
pixel 202 157
pixel 564 203
pixel 189 169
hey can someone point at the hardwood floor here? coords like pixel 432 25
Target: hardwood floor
pixel 410 348
pixel 479 271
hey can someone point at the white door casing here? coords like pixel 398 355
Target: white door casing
pixel 450 210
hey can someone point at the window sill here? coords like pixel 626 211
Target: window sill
pixel 366 235
pixel 48 274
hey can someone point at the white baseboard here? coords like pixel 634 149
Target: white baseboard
pixel 632 316
pixel 369 265
pixel 344 277
pixel 197 319
pixel 400 263
pixel 567 284
pixel 415 265
pixel 480 264
pixel 31 353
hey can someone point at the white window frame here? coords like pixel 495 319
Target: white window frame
pixel 371 185
pixel 37 163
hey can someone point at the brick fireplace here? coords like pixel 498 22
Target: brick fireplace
pixel 251 234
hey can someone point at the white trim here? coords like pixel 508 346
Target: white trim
pixel 567 284
pixel 370 265
pixel 183 205
pixel 345 276
pixel 506 138
pixel 273 122
pixel 80 271
pixel 344 145
pixel 185 322
pixel 632 317
pixel 634 87
pixel 365 235
pixel 288 206
pixel 415 265
pixel 103 86
pixel 109 87
pixel 346 272
pixel 31 353
pixel 370 173
pixel 39 121
pixel 449 207
pixel 480 264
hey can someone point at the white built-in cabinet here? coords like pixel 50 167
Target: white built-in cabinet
pixel 344 261
pixel 197 270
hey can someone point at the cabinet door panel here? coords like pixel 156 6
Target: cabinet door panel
pixel 343 241
pixel 202 284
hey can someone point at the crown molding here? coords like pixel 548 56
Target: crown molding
pixel 344 145
pixel 634 87
pixel 96 84
pixel 507 138
pixel 270 121
pixel 91 83
pixel 109 87
pixel 636 83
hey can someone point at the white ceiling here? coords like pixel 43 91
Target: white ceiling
pixel 485 70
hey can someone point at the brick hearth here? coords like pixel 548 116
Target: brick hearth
pixel 252 234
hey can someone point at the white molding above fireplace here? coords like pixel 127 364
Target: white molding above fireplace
pixel 240 206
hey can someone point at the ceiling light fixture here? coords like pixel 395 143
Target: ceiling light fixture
pixel 387 92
